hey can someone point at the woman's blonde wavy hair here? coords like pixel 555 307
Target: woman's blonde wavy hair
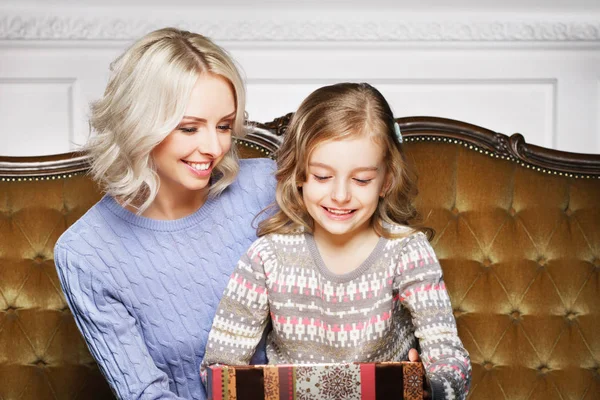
pixel 338 112
pixel 144 101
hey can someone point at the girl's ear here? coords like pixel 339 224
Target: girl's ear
pixel 387 184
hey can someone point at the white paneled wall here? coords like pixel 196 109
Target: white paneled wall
pixel 519 105
pixel 40 108
pixel 536 74
pixel 549 94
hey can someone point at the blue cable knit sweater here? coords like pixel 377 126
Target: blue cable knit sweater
pixel 144 292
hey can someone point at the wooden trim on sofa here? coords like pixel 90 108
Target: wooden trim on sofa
pixel 511 147
pixel 267 138
pixel 480 139
pixel 56 165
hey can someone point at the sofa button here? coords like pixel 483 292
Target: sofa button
pixel 512 212
pixel 455 211
pixel 571 315
pixel 543 369
pixel 488 366
pixel 542 261
pixel 515 315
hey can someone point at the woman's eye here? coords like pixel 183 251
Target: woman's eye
pixel 363 181
pixel 188 129
pixel 225 127
pixel 321 178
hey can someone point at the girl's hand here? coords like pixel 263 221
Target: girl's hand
pixel 413 356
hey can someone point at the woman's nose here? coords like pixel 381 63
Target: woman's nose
pixel 209 143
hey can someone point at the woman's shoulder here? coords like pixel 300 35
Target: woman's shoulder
pixel 257 170
pixel 256 181
pixel 87 230
pixel 76 244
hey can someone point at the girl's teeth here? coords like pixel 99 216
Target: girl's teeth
pixel 339 212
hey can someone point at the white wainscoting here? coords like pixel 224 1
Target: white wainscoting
pixel 36 114
pixel 538 76
pixel 504 105
pixel 549 95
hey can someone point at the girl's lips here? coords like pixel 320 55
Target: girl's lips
pixel 340 215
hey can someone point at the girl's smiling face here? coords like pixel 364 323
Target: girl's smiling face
pixel 345 179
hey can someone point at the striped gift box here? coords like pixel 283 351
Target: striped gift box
pixel 371 381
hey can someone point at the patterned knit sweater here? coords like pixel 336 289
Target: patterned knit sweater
pixel 396 299
pixel 144 292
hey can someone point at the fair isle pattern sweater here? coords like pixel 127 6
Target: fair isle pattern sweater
pixel 396 299
pixel 144 292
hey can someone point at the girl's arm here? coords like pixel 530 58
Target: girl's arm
pixel 243 312
pixel 109 330
pixel 422 291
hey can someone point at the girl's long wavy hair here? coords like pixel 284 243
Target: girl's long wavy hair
pixel 337 112
pixel 144 101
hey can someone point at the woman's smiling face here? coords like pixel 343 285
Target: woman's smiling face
pixel 185 159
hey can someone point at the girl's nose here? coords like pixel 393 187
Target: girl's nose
pixel 340 192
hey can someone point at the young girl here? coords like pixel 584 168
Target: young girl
pixel 338 270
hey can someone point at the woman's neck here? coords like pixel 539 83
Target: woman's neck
pixel 172 206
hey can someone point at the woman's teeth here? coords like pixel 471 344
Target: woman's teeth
pixel 198 166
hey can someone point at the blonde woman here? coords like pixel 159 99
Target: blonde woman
pixel 143 270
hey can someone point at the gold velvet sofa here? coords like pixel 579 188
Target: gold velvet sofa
pixel 518 237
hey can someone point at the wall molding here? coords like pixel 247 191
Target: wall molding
pixel 29 26
pixel 52 100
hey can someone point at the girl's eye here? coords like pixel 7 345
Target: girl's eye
pixel 363 181
pixel 321 178
pixel 189 129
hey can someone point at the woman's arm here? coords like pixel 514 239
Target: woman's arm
pixel 109 330
pixel 423 292
pixel 243 312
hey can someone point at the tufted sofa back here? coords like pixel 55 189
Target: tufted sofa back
pixel 518 237
pixel 517 233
